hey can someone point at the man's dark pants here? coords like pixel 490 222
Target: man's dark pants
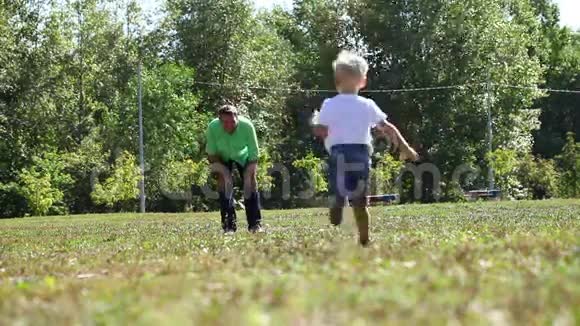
pixel 226 198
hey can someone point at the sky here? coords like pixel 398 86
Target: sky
pixel 570 13
pixel 569 9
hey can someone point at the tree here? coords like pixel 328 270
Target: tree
pixel 178 179
pixel 43 184
pixel 68 65
pixel 316 175
pixel 68 86
pixel 559 51
pixel 539 177
pixel 384 173
pixel 570 165
pixel 316 31
pixel 173 122
pixel 441 43
pixel 504 163
pixel 244 60
pixel 121 185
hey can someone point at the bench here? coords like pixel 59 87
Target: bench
pixel 483 194
pixel 382 199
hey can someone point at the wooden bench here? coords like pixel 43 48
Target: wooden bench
pixel 382 199
pixel 483 194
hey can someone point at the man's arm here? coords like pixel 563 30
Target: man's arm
pixel 398 141
pixel 214 159
pixel 253 148
pixel 250 174
pixel 211 147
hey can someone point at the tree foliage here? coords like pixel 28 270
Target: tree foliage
pixel 314 168
pixel 68 92
pixel 504 163
pixel 570 164
pixel 539 177
pixel 43 183
pixel 122 184
pixel 385 172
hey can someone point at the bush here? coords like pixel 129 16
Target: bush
pixel 570 168
pixel 539 177
pixel 265 180
pixel 384 173
pixel 453 192
pixel 179 177
pixel 39 191
pixel 504 163
pixel 42 184
pixel 13 203
pixel 407 188
pixel 122 186
pixel 314 166
pixel 88 158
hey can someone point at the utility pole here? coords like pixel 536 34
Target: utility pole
pixel 489 104
pixel 141 154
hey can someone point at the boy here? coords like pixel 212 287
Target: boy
pixel 345 123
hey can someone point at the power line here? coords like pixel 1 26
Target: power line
pixel 397 90
pixel 421 89
pixel 550 90
pixel 258 88
pixel 318 90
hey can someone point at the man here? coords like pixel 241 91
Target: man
pixel 232 142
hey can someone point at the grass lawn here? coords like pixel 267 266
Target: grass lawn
pixel 481 263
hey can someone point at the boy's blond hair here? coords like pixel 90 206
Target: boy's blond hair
pixel 351 64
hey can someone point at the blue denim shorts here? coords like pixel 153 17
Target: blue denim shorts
pixel 348 173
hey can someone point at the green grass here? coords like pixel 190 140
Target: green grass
pixel 482 263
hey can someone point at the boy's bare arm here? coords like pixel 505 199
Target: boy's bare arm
pixel 398 141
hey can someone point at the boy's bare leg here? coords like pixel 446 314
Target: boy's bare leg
pixel 336 216
pixel 363 218
pixel 336 209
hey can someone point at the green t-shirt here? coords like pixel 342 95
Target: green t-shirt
pixel 240 146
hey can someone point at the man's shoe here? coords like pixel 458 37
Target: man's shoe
pixel 257 229
pixel 229 232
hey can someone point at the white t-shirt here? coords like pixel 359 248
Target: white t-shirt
pixel 349 119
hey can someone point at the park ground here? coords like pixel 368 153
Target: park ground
pixel 478 263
